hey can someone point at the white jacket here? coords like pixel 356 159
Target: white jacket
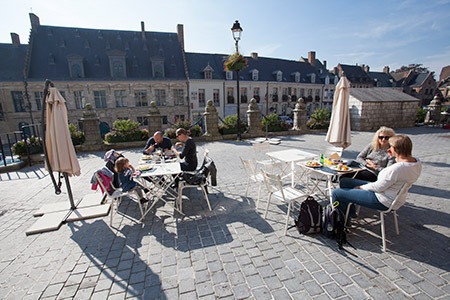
pixel 391 180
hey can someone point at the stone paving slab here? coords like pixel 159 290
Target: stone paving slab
pixel 231 252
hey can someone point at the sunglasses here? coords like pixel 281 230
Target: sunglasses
pixel 382 137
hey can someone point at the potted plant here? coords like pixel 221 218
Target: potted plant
pixel 235 62
pixel 29 146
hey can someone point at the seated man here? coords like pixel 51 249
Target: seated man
pixel 158 141
pixel 189 152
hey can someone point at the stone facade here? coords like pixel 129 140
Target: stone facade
pixel 387 107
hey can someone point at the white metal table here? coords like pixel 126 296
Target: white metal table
pixel 160 178
pixel 291 156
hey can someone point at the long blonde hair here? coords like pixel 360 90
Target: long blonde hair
pixel 383 129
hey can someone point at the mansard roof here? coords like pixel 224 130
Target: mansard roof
pixel 354 72
pixel 382 78
pixel 12 62
pixel 51 47
pixel 266 67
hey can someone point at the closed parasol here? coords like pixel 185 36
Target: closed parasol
pixel 60 150
pixel 339 131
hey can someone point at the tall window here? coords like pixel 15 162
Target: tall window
pixel 216 97
pixel 121 98
pixel 160 97
pixel 201 98
pixel 142 120
pixel 275 95
pixel 244 97
pixel 302 92
pixel 229 75
pixel 230 95
pixel 38 96
pixel 19 105
pixel 208 74
pixel 140 97
pixel 284 97
pixel 178 96
pixel 2 114
pixel 80 100
pixel 256 94
pixel 317 93
pixel 118 69
pixel 100 99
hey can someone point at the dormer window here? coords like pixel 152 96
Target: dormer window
pixel 158 68
pixel 313 78
pixel 117 65
pixel 327 79
pixel 207 72
pixel 296 76
pixel 229 75
pixel 76 67
pixel 278 75
pixel 255 75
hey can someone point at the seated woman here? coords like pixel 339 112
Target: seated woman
pixel 374 157
pixel 125 170
pixel 381 193
pixel 189 153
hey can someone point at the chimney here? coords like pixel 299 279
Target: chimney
pixel 386 69
pixel 312 58
pixel 180 33
pixel 35 23
pixel 15 39
pixel 325 64
pixel 254 55
pixel 143 30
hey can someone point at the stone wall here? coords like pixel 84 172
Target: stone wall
pixel 371 115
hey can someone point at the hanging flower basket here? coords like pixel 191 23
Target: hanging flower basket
pixel 235 62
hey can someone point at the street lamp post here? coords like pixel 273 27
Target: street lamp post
pixel 237 30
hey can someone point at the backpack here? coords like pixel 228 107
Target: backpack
pixel 310 217
pixel 333 221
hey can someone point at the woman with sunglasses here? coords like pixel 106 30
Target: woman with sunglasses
pixel 381 193
pixel 374 157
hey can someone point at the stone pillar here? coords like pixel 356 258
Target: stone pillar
pixel 433 115
pixel 299 115
pixel 211 120
pixel 91 126
pixel 254 119
pixel 154 119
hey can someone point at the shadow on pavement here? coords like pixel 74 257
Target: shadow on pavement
pixel 116 255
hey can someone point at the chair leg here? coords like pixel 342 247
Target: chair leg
pixel 206 196
pixel 180 196
pixel 259 194
pixel 383 231
pixel 248 185
pixel 267 206
pixel 397 231
pixel 287 218
pixel 347 213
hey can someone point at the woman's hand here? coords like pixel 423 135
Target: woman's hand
pixel 371 165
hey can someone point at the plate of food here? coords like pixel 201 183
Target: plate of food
pixel 142 168
pixel 341 168
pixel 313 164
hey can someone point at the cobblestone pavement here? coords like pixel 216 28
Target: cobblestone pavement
pixel 231 252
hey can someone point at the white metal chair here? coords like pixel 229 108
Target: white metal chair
pixel 253 176
pixel 182 184
pixel 398 202
pixel 261 149
pixel 116 198
pixel 286 194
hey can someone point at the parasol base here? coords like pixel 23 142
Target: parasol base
pixel 53 215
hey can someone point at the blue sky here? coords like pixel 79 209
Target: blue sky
pixel 375 33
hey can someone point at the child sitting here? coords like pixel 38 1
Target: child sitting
pixel 125 170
